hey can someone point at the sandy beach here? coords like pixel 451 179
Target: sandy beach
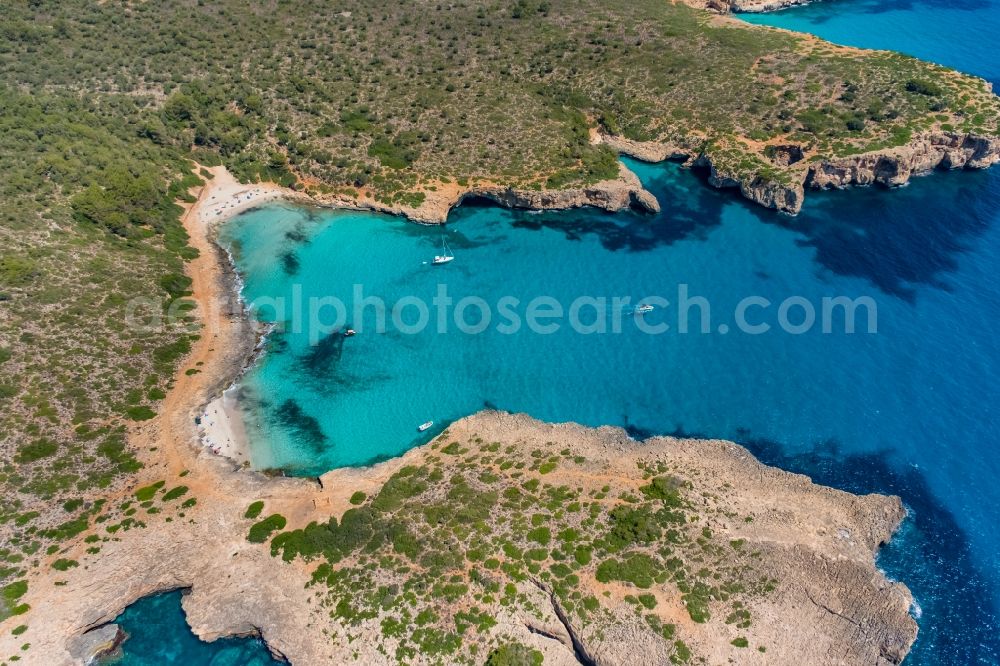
pixel 221 430
pixel 224 197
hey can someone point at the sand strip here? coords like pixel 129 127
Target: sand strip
pixel 221 429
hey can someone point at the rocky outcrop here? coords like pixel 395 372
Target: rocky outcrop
pixel 647 151
pixel 620 193
pixel 784 154
pixel 751 6
pixel 895 166
pixel 763 5
pixel 891 167
pixel 96 644
pixel 612 195
pixel 785 197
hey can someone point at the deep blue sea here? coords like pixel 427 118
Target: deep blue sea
pixel 909 409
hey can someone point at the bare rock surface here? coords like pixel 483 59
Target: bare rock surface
pixel 97 643
pixel 617 194
pixel 830 604
pixel 890 167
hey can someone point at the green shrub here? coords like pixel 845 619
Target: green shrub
pixel 514 654
pixel 14 591
pixel 174 493
pixel 260 532
pixel 140 413
pixel 358 498
pixel 682 653
pixel 638 569
pixel 254 509
pixel 924 87
pixel 665 488
pixel 540 535
pixel 176 285
pixel 404 484
pixel 36 450
pixel 147 493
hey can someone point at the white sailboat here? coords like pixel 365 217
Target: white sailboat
pixel 445 255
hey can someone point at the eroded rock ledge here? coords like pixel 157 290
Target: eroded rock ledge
pixel 626 191
pixel 798 558
pixel 891 167
pixel 750 6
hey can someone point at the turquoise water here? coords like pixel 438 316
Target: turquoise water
pixel 909 409
pixel 158 635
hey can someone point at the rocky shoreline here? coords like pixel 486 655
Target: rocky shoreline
pixel 891 167
pixel 746 6
pixel 817 544
pixel 617 194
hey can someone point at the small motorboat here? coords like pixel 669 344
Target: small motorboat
pixel 350 333
pixel 644 308
pixel 425 426
pixel 445 255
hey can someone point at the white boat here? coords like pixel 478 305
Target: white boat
pixel 643 309
pixel 425 426
pixel 445 255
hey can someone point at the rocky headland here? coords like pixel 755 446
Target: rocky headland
pixel 772 554
pixel 890 167
pixel 750 6
pixel 625 191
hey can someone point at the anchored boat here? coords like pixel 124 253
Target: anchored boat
pixel 445 255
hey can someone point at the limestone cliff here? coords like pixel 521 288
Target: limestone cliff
pixel 894 166
pixel 755 6
pixel 620 193
pixel 797 170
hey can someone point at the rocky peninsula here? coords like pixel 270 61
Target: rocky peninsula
pixel 728 558
pixel 805 169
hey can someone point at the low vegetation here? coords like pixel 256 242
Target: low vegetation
pixel 443 548
pixel 103 105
